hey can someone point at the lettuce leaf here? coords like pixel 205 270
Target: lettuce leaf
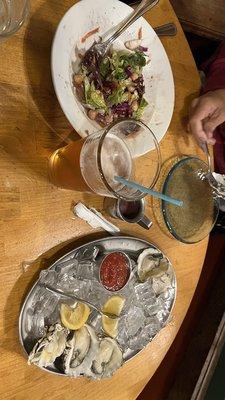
pixel 119 74
pixel 125 83
pixel 87 87
pixel 96 100
pixel 118 96
pixel 92 96
pixel 124 97
pixel 115 60
pixel 138 114
pixel 136 59
pixel 105 67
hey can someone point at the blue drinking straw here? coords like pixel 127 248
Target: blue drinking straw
pixel 153 193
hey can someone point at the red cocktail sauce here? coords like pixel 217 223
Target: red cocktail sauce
pixel 114 271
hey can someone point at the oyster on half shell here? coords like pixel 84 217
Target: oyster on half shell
pixel 151 263
pixel 108 359
pixel 49 347
pixel 77 353
pixel 161 284
pixel 115 361
pixel 76 348
pixel 80 351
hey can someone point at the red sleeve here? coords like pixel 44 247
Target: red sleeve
pixel 215 70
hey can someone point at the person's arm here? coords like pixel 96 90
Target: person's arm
pixel 208 111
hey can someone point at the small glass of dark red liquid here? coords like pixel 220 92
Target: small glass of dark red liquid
pixel 128 211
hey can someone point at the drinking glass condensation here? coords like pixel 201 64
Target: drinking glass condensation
pixel 126 148
pixel 12 15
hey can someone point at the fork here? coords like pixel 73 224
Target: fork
pixel 142 8
pixel 209 175
pixel 218 188
pixel 72 297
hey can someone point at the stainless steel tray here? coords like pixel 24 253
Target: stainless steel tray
pixel 130 245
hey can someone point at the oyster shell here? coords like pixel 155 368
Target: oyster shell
pixel 161 284
pixel 104 355
pixel 77 353
pixel 108 359
pixel 76 348
pixel 49 347
pixel 151 263
pixel 115 361
pixel 80 352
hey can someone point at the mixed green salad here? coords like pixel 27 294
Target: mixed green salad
pixel 112 87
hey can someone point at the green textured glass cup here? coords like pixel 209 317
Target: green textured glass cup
pixel 194 221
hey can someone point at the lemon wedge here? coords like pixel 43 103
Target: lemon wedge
pixel 114 305
pixel 74 318
pixel 110 326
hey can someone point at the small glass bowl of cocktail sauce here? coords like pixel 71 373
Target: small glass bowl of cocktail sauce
pixel 114 271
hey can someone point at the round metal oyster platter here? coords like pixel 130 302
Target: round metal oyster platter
pixel 149 297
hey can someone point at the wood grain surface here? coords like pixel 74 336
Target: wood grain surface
pixel 202 17
pixel 36 219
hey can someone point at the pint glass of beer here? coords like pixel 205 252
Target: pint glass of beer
pixel 91 164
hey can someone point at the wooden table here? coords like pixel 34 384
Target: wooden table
pixel 202 17
pixel 36 217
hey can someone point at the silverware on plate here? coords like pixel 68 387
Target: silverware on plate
pixel 72 297
pixel 142 8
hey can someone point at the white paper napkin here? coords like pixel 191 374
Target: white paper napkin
pixel 94 218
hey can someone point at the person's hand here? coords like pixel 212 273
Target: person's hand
pixel 206 113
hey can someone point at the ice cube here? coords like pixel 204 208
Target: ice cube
pixel 134 320
pixel 39 294
pixel 168 295
pixel 122 337
pixel 86 287
pixel 34 324
pixel 152 327
pixel 152 309
pixel 68 284
pixel 98 294
pixel 138 341
pixel 67 267
pixel 144 293
pixel 88 253
pixel 48 276
pixel 162 316
pixel 46 305
pixel 85 270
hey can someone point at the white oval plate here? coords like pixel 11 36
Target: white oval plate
pixel 80 19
